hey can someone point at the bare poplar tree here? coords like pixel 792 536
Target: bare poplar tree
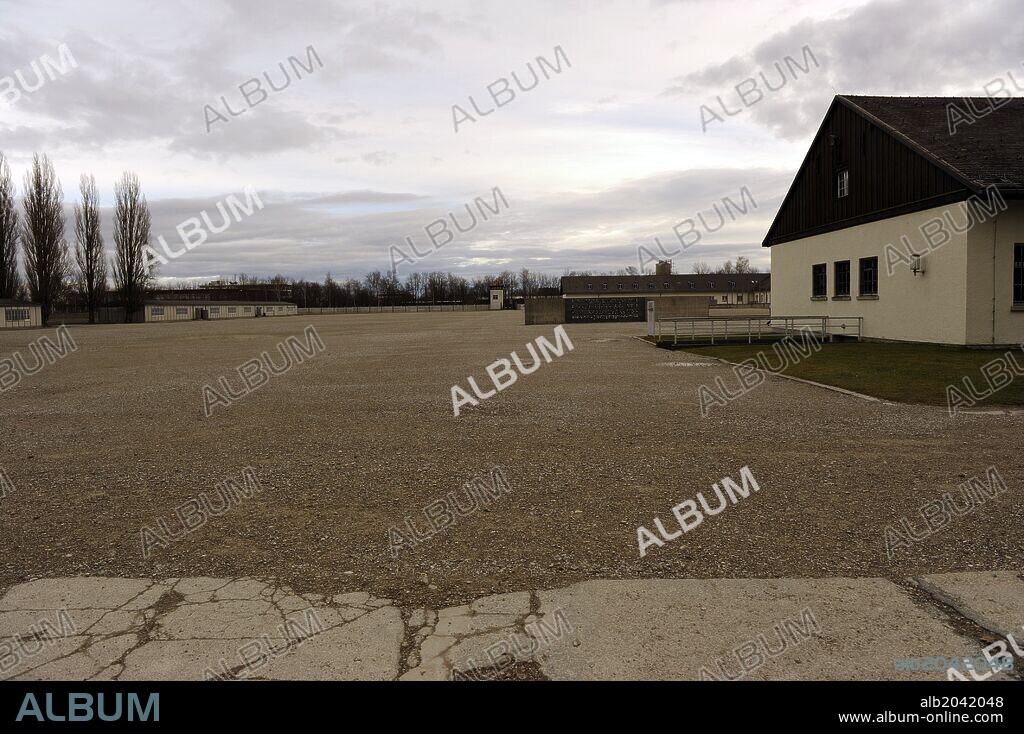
pixel 42 235
pixel 132 269
pixel 10 282
pixel 92 266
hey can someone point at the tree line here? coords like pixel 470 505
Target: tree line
pixel 56 273
pixel 52 267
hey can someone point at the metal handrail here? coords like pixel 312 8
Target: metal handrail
pixel 825 326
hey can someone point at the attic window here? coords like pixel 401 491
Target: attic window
pixel 843 184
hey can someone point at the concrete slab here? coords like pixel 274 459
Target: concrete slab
pixel 92 592
pixel 757 629
pixel 991 599
pixel 365 649
pixel 179 659
pixel 752 629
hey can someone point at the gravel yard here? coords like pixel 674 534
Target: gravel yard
pixel 350 443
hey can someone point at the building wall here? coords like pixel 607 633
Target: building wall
pixel 925 308
pixel 169 313
pixel 177 312
pixel 35 317
pixel 282 309
pixel 231 312
pixel 545 310
pixel 668 307
pixel 497 300
pixel 991 317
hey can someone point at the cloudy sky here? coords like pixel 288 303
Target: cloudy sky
pixel 595 160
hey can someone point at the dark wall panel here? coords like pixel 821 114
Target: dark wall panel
pixel 885 174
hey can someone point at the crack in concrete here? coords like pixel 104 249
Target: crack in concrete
pixel 926 598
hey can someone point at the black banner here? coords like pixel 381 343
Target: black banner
pixel 835 705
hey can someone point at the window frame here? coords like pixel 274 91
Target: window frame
pixel 842 183
pixel 860 276
pixel 819 280
pixel 838 281
pixel 1017 294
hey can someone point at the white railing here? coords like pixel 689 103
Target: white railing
pixel 718 329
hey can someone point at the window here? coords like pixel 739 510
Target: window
pixel 232 309
pixel 158 310
pixel 215 310
pixel 1018 275
pixel 843 184
pixel 869 276
pixel 819 281
pixel 636 286
pixel 620 286
pixel 739 298
pixel 842 278
pixel 16 314
pixel 604 286
pixel 181 311
pixel 590 286
pixel 666 285
pixel 494 297
pixel 651 286
pixel 247 309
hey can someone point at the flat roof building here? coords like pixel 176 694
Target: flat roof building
pixel 213 310
pixel 732 289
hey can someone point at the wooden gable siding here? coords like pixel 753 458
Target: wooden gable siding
pixel 887 177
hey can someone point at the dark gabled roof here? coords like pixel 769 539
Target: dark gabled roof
pixel 985 149
pixel 988 151
pixel 680 283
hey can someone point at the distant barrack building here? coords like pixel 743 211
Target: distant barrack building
pixel 165 310
pixel 733 290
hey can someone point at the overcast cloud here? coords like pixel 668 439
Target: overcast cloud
pixel 360 153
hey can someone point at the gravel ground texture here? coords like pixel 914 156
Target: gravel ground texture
pixel 112 438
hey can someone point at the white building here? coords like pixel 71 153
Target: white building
pixel 213 310
pixel 497 297
pixel 910 215
pixel 19 314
